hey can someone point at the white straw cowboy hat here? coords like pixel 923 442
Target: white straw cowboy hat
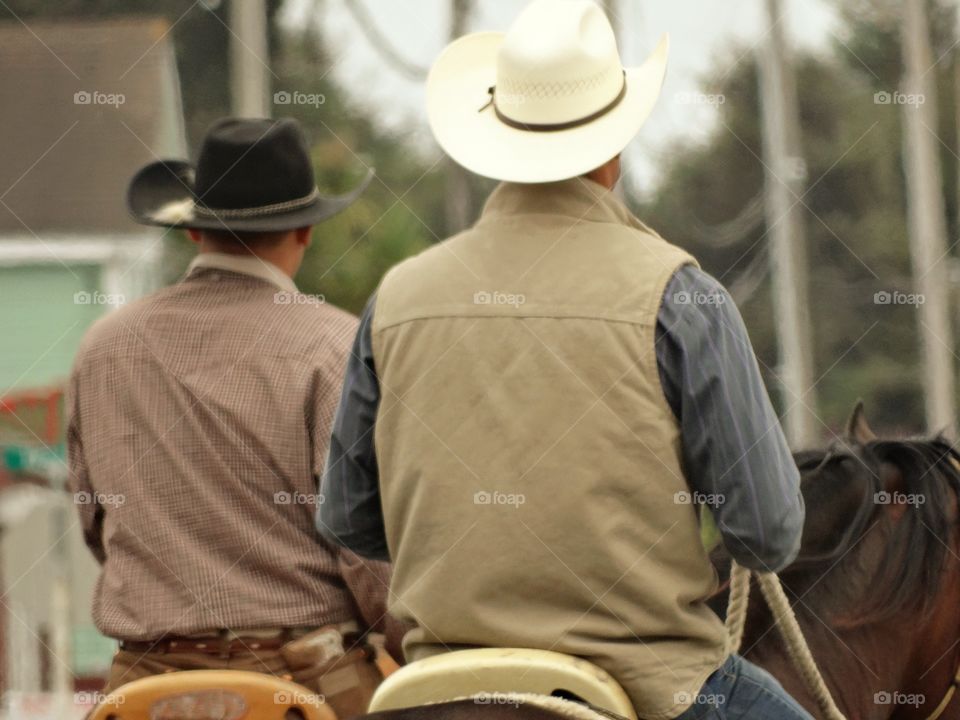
pixel 547 101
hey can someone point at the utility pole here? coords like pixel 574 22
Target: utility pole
pixel 927 217
pixel 613 8
pixel 249 59
pixel 784 182
pixel 956 110
pixel 459 211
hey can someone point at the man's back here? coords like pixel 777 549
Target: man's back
pixel 547 410
pixel 189 426
pixel 529 463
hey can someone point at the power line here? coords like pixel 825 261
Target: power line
pixel 784 181
pixel 735 231
pixel 382 44
pixel 746 284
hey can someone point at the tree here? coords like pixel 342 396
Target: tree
pixel 855 216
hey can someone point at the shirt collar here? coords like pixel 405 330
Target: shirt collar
pixel 245 265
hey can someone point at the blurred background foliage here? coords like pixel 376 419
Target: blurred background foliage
pixel 855 212
pixel 708 198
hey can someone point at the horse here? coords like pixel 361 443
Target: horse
pixel 876 586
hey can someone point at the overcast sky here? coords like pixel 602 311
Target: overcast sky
pixel 703 36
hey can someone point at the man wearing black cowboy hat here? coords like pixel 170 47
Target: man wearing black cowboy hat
pixel 198 421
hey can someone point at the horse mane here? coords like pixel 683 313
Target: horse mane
pixel 917 542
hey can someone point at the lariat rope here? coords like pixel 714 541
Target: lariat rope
pixel 787 625
pixel 789 628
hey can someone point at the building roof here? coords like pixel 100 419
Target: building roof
pixel 85 104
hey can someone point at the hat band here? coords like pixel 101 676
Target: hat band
pixel 235 213
pixel 554 127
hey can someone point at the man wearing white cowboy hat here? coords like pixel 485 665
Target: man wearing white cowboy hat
pixel 535 408
pixel 198 424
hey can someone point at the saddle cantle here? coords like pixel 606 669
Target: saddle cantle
pixel 501 672
pixel 211 695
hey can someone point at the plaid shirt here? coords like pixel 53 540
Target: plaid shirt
pixel 199 418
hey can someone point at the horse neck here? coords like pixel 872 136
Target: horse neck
pixel 860 656
pixel 936 657
pixel 855 663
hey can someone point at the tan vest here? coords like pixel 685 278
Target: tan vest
pixel 528 458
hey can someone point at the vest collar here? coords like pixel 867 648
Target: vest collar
pixel 577 198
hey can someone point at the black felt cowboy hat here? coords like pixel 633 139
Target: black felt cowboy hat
pixel 251 176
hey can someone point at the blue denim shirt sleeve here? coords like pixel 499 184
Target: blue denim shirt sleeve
pixel 735 456
pixel 350 514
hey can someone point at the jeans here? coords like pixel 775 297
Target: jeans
pixel 740 689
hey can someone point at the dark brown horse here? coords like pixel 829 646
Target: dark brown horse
pixel 876 587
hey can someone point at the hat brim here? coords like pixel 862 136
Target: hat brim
pixel 162 194
pixel 458 87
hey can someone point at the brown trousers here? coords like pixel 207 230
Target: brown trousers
pixel 347 683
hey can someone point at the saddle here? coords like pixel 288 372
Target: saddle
pixel 504 676
pixel 211 695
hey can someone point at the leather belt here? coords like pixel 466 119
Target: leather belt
pixel 225 646
pixel 227 643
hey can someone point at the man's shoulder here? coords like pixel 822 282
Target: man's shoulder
pixel 432 256
pixel 322 321
pixel 690 285
pixel 437 262
pixel 303 321
pixel 645 240
pixel 120 322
